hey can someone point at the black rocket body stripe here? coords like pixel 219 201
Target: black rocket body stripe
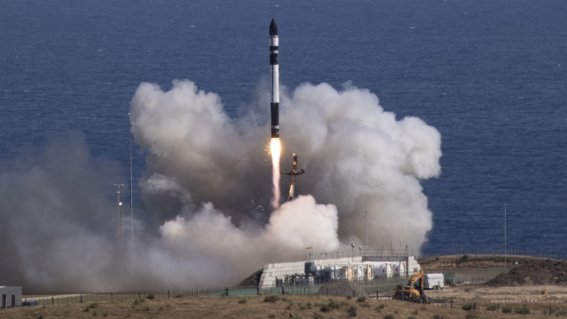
pixel 275 104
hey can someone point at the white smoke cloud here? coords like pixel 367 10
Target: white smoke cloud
pixel 207 248
pixel 357 156
pixel 207 189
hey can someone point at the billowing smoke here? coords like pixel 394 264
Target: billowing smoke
pixel 207 190
pixel 357 156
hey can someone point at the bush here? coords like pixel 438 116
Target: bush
pixel 522 311
pixel 506 310
pixel 471 316
pixel 151 297
pixel 390 316
pixel 317 316
pixel 331 305
pixel 241 301
pixel 90 306
pixel 271 298
pixel 361 299
pixel 492 307
pixel 351 311
pixel 468 307
pixel 438 317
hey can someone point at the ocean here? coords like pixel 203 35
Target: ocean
pixel 491 76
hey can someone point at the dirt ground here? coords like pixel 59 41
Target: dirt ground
pixel 519 294
pixel 259 307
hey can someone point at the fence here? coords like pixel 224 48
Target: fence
pixel 336 288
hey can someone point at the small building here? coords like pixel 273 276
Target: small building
pixel 10 297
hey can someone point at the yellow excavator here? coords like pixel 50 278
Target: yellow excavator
pixel 414 290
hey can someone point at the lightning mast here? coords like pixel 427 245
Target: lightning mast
pixel 294 172
pixel 118 216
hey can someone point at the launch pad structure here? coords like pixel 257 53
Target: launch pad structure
pixel 354 268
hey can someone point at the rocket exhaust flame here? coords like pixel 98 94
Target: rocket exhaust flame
pixel 275 150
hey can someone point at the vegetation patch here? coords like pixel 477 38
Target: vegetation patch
pixel 271 298
pixel 351 311
pixel 468 307
pixel 522 311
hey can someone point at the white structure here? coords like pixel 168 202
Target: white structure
pixel 10 297
pixel 434 281
pixel 353 269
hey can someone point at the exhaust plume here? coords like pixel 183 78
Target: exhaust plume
pixel 275 151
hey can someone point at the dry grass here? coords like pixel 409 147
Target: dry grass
pixel 254 307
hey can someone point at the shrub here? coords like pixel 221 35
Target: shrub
pixel 333 304
pixel 272 316
pixel 390 316
pixel 438 317
pixel 361 299
pixel 271 298
pixel 351 311
pixel 90 306
pixel 471 316
pixel 241 301
pixel 151 297
pixel 468 307
pixel 317 316
pixel 506 310
pixel 522 311
pixel 492 307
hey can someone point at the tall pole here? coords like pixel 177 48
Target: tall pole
pixel 505 233
pixel 366 230
pixel 118 216
pixel 131 199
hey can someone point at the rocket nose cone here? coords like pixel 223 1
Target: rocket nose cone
pixel 273 28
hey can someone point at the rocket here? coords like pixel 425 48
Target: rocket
pixel 275 104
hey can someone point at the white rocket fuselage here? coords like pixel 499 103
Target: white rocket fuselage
pixel 275 103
